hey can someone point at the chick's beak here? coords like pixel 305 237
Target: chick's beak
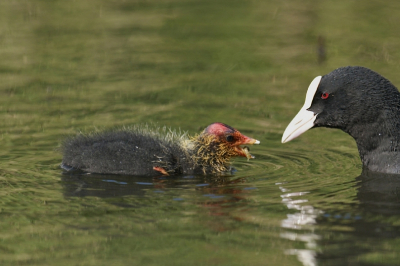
pixel 248 140
pixel 245 151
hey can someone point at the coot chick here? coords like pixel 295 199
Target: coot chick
pixel 147 151
pixel 363 104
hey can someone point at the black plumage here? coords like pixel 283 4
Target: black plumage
pixel 149 151
pixel 363 104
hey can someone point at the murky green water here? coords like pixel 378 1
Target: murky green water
pixel 70 66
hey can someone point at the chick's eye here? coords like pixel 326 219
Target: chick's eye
pixel 230 138
pixel 324 95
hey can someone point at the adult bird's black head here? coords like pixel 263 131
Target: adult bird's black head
pixel 363 104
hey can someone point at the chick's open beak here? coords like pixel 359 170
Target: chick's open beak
pixel 245 151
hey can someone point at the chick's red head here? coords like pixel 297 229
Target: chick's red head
pixel 231 137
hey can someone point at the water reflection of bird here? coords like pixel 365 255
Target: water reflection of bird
pixel 147 151
pixel 379 193
pixel 363 104
pixel 370 225
pixel 343 231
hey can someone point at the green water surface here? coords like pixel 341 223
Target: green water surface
pixel 71 66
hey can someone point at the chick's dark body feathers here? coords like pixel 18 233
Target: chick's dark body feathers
pixel 148 151
pixel 127 152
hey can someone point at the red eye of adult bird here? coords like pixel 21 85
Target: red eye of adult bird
pixel 324 95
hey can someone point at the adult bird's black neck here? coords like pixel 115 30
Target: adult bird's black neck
pixel 378 141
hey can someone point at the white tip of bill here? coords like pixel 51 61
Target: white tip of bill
pixel 302 122
pixel 304 119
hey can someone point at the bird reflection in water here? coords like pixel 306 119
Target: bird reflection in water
pixel 217 196
pixel 303 221
pixel 332 237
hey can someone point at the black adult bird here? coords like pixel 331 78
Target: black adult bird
pixel 363 104
pixel 148 151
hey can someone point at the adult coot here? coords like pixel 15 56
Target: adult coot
pixel 363 104
pixel 150 151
